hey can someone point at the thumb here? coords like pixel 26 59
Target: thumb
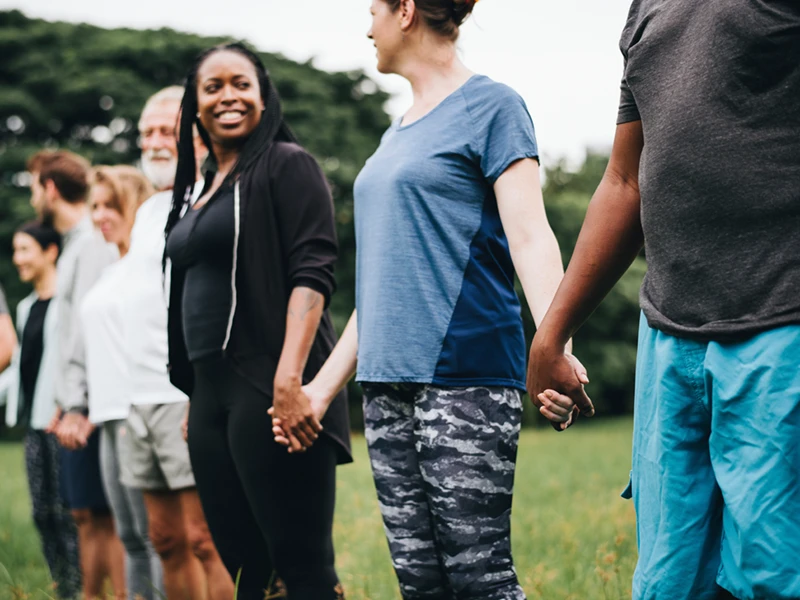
pixel 583 402
pixel 580 370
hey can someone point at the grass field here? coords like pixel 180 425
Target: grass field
pixel 573 537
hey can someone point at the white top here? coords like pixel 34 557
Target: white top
pixel 107 370
pixel 144 312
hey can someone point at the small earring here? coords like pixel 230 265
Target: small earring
pixel 198 115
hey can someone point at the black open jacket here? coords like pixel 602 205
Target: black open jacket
pixel 285 237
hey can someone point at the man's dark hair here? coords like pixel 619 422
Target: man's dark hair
pixel 271 127
pixel 68 172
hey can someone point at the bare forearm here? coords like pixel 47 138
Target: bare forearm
pixel 8 341
pixel 609 241
pixel 302 322
pixel 540 271
pixel 341 364
pixel 538 265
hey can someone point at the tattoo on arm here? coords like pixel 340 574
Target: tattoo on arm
pixel 311 300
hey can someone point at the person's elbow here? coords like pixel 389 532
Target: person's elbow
pixel 532 239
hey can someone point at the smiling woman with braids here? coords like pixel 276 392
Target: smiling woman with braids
pixel 252 275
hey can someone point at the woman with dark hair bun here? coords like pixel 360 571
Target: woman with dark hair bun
pixel 447 211
pixel 251 277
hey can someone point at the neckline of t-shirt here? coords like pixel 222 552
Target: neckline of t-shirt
pixel 456 92
pixel 217 193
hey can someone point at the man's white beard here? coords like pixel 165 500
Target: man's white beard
pixel 161 173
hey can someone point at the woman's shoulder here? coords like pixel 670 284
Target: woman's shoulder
pixel 279 152
pixel 481 89
pixel 272 162
pixel 488 100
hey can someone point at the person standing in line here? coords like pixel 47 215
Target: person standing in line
pixel 705 174
pixel 447 209
pixel 31 402
pixel 59 188
pixel 153 455
pixel 116 193
pixel 8 339
pixel 252 274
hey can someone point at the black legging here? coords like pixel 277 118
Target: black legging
pixel 264 506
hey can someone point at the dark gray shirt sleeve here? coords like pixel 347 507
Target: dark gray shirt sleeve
pixel 628 111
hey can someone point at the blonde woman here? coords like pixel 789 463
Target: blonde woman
pixel 116 194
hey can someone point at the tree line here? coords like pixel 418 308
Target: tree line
pixel 81 87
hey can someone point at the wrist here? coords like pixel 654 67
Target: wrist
pixel 321 390
pixel 286 380
pixel 548 340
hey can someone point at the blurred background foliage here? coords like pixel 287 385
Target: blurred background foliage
pixel 81 87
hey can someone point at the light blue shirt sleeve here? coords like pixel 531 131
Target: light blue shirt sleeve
pixel 504 131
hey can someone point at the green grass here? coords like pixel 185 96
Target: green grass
pixel 573 537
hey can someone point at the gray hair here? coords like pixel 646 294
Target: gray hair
pixel 172 93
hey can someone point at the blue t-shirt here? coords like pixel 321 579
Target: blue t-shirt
pixel 434 278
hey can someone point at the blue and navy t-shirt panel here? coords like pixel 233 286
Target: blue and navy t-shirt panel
pixel 435 288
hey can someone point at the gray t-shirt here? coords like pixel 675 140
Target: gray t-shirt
pixel 3 302
pixel 717 88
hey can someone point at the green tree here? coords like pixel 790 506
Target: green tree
pixel 82 88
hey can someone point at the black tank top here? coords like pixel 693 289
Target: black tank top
pixel 201 244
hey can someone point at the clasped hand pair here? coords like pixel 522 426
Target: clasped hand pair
pixel 555 382
pixel 297 412
pixel 71 429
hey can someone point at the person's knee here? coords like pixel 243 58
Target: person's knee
pixel 201 543
pixel 169 540
pixel 130 538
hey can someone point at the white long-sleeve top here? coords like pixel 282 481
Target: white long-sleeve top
pixel 107 369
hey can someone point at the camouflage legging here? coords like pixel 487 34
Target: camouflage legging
pixel 443 461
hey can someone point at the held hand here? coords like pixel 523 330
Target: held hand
pixel 558 408
pixel 319 404
pixel 554 370
pixel 293 410
pixel 74 430
pixel 52 426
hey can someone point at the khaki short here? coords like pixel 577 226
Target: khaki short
pixel 152 453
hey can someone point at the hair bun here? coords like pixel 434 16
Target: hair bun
pixel 462 9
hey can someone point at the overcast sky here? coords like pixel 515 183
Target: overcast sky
pixel 562 56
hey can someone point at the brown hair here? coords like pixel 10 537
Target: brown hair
pixel 129 188
pixel 68 172
pixel 443 16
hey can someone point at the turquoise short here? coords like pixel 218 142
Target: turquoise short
pixel 716 467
